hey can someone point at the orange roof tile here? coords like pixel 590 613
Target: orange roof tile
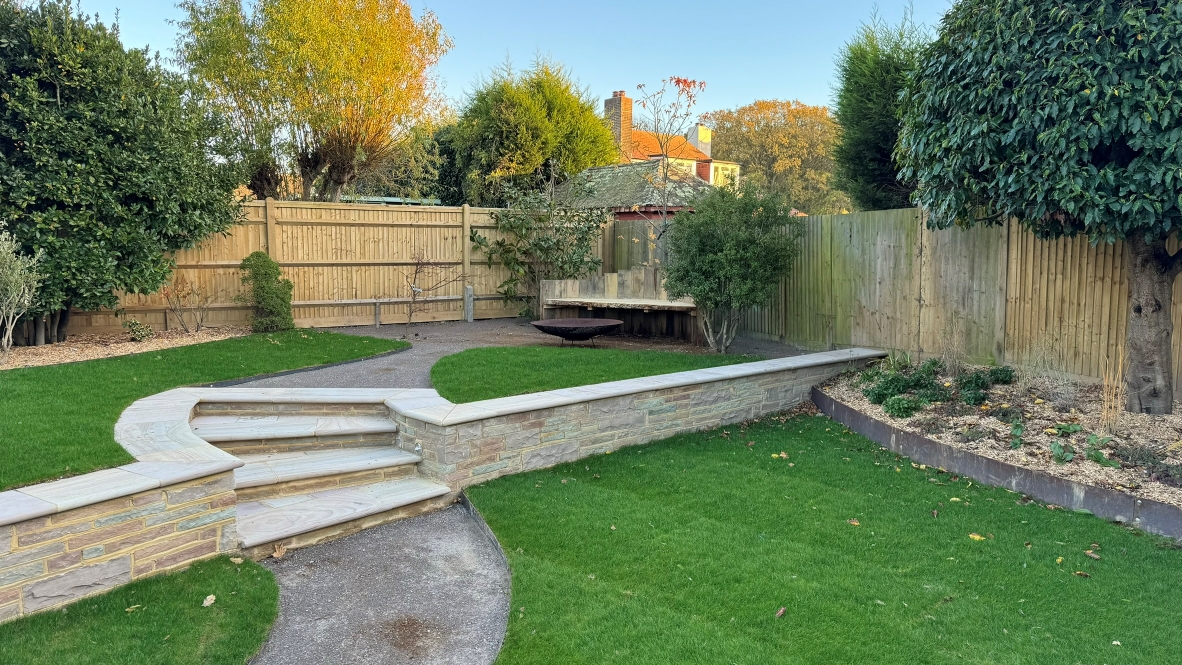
pixel 646 146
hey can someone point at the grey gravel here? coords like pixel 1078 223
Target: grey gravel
pixel 431 341
pixel 429 590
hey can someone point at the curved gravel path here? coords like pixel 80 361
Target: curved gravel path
pixel 428 590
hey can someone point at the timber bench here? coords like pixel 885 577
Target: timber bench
pixel 637 297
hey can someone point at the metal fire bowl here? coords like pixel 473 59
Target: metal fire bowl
pixel 577 330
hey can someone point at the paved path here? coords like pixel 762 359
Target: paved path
pixel 429 590
pixel 431 341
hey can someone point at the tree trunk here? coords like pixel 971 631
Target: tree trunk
pixel 52 324
pixel 39 330
pixel 1151 289
pixel 63 323
pixel 20 335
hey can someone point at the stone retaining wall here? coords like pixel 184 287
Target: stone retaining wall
pixel 53 560
pixel 484 448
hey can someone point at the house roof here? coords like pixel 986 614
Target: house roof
pixel 645 146
pixel 631 185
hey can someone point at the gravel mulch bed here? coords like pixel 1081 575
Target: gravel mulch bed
pixel 93 346
pixel 986 430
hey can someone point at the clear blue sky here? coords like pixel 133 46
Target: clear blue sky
pixel 744 50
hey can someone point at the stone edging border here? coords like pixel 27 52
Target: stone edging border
pixel 1146 514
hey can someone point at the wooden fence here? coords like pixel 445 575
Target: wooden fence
pixel 882 279
pixel 348 263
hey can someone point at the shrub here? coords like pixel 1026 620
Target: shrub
pixel 1002 375
pixel 935 393
pixel 18 287
pixel 1062 452
pixel 140 332
pixel 889 385
pixel 268 294
pixel 902 407
pixel 977 381
pixel 973 397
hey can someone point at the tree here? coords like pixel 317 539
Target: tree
pixel 1066 118
pixel 412 171
pixel 107 165
pixel 18 286
pixel 871 72
pixel 541 238
pixel 730 254
pixel 425 278
pixel 667 113
pixel 786 147
pixel 517 126
pixel 324 89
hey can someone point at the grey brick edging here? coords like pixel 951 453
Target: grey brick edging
pixel 1146 514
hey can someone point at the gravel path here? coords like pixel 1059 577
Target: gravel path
pixel 431 341
pixel 429 590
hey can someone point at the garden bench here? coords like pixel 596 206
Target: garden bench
pixel 636 296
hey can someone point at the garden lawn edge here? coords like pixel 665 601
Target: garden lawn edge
pixel 1145 514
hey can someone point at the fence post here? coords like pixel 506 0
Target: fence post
pixel 377 314
pixel 466 251
pixel 469 304
pixel 269 215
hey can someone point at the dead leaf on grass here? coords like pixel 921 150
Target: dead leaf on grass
pixel 976 536
pixel 780 612
pixel 235 560
pixel 854 522
pixel 209 600
pixel 1082 573
pixel 1092 554
pixel 132 608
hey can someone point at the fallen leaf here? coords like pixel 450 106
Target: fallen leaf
pixel 209 600
pixel 954 499
pixel 564 481
pixel 1115 643
pixel 1082 573
pixel 935 513
pixel 1028 545
pixel 976 536
pixel 791 464
pixel 1039 401
pixel 279 551
pixel 780 612
pixel 879 602
pixel 235 560
pixel 613 527
pixel 1092 554
pixel 133 608
pixel 1059 560
pixel 854 522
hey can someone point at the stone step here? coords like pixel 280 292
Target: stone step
pixel 273 468
pixel 225 429
pixel 270 520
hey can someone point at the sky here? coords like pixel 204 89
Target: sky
pixel 743 49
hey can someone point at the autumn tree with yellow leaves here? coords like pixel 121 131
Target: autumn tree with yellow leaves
pixel 323 92
pixel 785 147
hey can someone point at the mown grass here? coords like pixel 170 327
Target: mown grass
pixel 490 372
pixel 684 551
pixel 59 420
pixel 155 621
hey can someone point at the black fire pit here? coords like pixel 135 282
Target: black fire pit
pixel 577 330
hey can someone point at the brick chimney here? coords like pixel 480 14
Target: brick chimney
pixel 618 111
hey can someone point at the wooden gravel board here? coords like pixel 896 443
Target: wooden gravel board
pixel 1146 514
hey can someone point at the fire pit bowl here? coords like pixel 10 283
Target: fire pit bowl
pixel 577 330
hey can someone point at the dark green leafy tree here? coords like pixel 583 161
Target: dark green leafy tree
pixel 1068 118
pixel 871 73
pixel 514 127
pixel 412 171
pixel 268 293
pixel 106 165
pixel 541 237
pixel 730 254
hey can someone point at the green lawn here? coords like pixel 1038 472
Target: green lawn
pixel 167 625
pixel 58 420
pixel 489 372
pixel 683 551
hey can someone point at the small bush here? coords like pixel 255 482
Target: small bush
pixel 140 332
pixel 1062 452
pixel 268 294
pixel 1002 375
pixel 973 397
pixel 936 393
pixel 889 385
pixel 902 407
pixel 974 381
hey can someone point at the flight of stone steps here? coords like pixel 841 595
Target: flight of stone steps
pixel 315 468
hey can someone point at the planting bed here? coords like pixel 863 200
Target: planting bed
pixel 1045 423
